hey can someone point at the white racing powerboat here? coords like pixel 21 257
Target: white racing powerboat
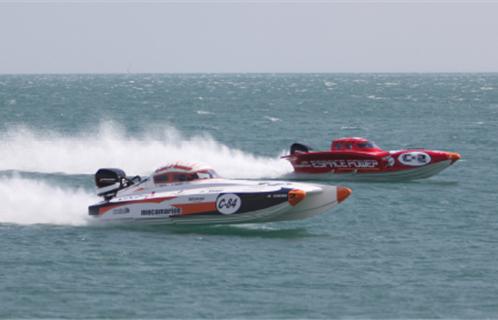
pixel 195 194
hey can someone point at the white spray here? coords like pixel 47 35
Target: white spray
pixel 28 201
pixel 33 201
pixel 29 150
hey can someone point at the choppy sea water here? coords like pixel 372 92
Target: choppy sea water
pixel 424 249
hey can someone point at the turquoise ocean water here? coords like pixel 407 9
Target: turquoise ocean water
pixel 424 249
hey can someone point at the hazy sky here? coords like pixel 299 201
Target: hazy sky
pixel 257 36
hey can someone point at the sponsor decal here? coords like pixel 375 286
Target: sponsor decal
pixel 156 212
pixel 121 211
pixel 390 161
pixel 339 164
pixel 270 184
pixel 279 195
pixel 129 198
pixel 196 199
pixel 228 203
pixel 414 158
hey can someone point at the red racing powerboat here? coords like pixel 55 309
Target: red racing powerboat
pixel 358 158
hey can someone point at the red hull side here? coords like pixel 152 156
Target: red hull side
pixel 359 162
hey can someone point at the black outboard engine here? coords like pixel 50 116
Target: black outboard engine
pixel 299 147
pixel 110 181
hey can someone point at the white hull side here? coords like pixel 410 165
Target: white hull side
pixel 318 199
pixel 315 203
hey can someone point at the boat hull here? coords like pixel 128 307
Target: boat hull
pixel 376 165
pixel 424 172
pixel 221 202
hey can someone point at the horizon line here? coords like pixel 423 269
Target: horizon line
pixel 245 72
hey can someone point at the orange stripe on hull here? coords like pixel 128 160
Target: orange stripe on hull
pixel 196 208
pixel 105 209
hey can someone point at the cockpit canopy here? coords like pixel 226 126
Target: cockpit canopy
pixel 353 143
pixel 181 172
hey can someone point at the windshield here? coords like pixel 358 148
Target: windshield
pixel 344 145
pixel 208 174
pixel 171 177
pixel 367 145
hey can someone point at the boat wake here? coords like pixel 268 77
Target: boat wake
pixel 25 149
pixel 29 201
pixel 42 172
